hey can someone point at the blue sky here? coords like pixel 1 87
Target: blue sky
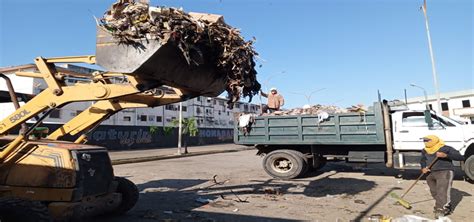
pixel 348 48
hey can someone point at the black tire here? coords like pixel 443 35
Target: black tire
pixel 129 193
pixel 320 163
pixel 469 167
pixel 285 164
pixel 16 209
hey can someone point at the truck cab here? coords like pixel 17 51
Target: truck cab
pixel 409 126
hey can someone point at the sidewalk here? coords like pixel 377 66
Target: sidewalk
pixel 137 156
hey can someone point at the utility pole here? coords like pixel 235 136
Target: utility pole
pixel 180 126
pixel 433 67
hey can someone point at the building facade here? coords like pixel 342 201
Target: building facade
pixel 212 115
pixel 458 105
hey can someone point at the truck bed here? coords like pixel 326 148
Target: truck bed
pixel 338 129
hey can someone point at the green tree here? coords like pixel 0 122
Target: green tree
pixel 189 128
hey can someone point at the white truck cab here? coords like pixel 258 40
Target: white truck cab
pixel 409 126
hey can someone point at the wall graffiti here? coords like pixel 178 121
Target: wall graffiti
pixel 140 137
pixel 125 138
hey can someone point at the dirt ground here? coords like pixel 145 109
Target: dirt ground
pixel 178 189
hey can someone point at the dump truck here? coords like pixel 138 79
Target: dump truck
pixel 294 144
pixel 43 178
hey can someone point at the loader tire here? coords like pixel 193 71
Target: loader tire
pixel 285 164
pixel 129 193
pixel 16 209
pixel 469 167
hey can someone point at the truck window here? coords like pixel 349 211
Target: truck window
pixel 417 119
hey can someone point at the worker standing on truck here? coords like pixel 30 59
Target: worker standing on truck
pixel 440 177
pixel 275 100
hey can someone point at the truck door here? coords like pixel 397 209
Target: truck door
pixel 410 127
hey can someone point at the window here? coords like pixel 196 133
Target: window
pixel 127 118
pixel 143 118
pixel 185 108
pixel 173 118
pixel 198 110
pixel 219 112
pixel 417 119
pixel 55 114
pixel 246 107
pixel 159 119
pixel 151 118
pixel 214 102
pixel 198 99
pixel 228 113
pixel 466 103
pixel 221 103
pixel 444 106
pixel 169 107
pixel 431 106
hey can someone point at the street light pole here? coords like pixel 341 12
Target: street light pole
pixel 433 67
pixel 424 92
pixel 180 126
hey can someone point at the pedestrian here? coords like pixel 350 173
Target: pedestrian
pixel 440 176
pixel 275 100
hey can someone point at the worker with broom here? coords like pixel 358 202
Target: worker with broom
pixel 440 175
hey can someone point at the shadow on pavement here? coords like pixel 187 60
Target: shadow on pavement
pixel 176 200
pixel 377 169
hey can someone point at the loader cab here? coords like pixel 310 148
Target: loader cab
pixel 410 126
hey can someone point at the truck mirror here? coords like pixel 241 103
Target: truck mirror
pixel 428 118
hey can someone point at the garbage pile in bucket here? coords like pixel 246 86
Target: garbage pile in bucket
pixel 202 38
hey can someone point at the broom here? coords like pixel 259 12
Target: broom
pixel 400 199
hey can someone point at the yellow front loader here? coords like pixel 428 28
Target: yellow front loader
pixel 45 179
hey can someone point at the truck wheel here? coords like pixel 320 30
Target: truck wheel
pixel 469 167
pixel 16 209
pixel 129 193
pixel 320 163
pixel 285 164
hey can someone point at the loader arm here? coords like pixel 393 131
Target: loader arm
pixel 59 93
pixel 102 110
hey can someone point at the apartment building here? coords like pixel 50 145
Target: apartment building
pixel 458 105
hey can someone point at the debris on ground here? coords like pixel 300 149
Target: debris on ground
pixel 158 189
pixel 151 214
pixel 203 39
pixel 203 200
pixel 272 190
pixel 359 201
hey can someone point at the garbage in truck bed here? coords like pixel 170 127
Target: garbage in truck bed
pixel 196 52
pixel 318 109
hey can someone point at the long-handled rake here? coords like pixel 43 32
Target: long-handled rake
pixel 400 199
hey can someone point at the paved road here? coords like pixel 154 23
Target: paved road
pixel 339 192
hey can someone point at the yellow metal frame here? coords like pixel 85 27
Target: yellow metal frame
pixel 111 98
pixel 103 109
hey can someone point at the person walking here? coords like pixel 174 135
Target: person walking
pixel 275 100
pixel 440 175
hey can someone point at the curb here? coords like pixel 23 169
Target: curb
pixel 171 156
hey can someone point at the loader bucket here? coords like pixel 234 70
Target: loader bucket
pixel 158 62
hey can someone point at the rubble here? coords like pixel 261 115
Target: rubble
pixel 200 37
pixel 318 109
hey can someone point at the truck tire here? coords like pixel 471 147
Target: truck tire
pixel 320 163
pixel 469 167
pixel 285 164
pixel 16 209
pixel 129 193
